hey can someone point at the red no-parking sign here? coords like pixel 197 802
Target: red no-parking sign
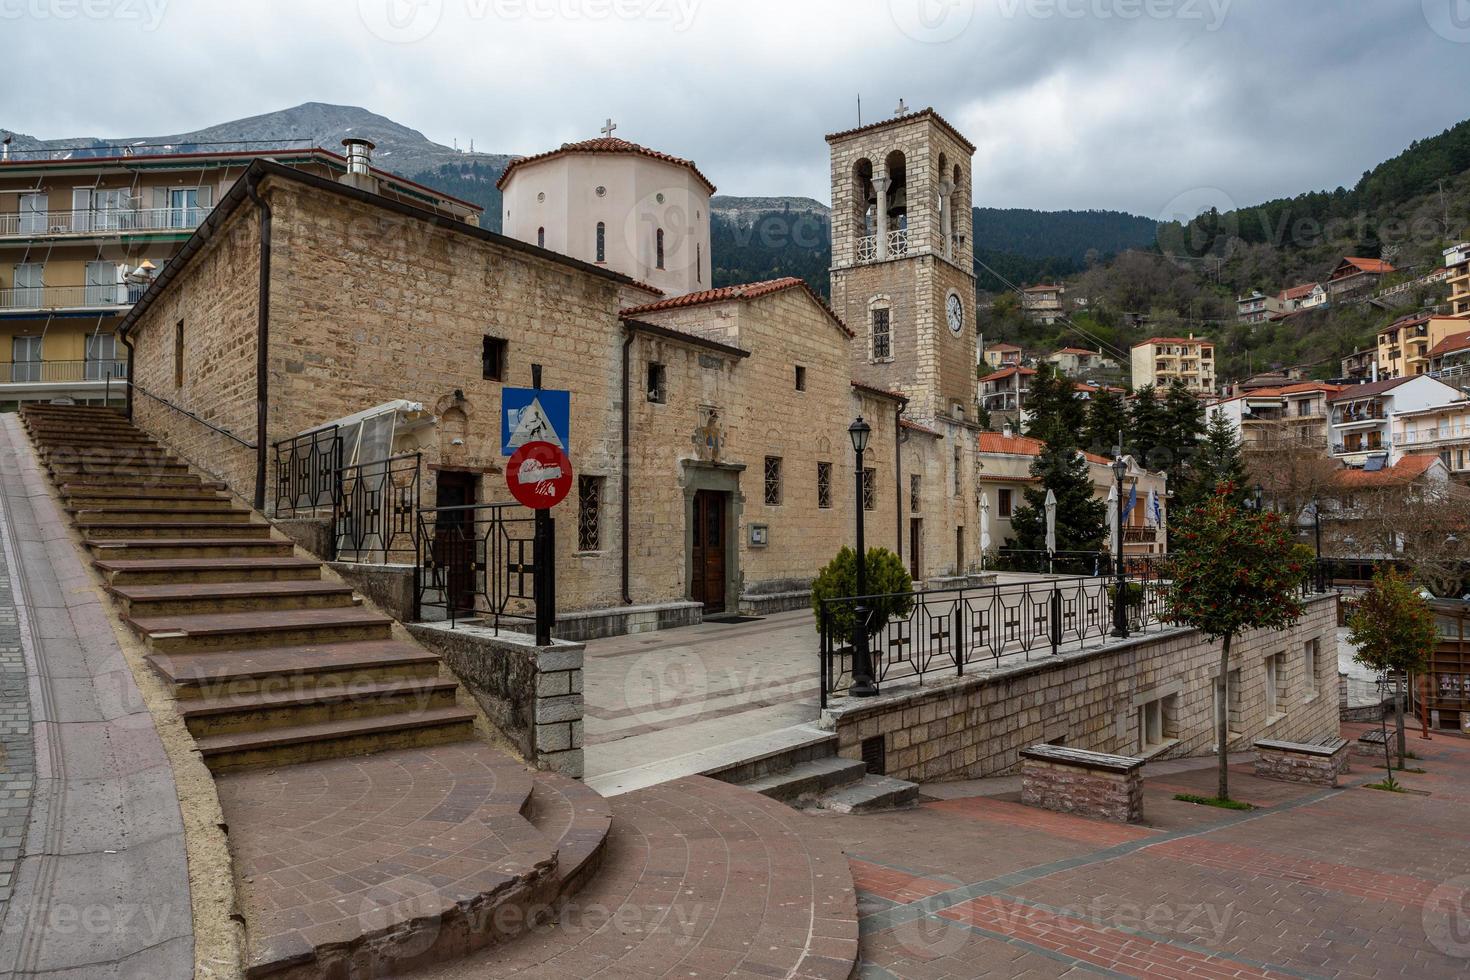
pixel 539 475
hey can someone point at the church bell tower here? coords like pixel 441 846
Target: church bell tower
pixel 902 259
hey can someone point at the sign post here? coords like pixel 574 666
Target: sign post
pixel 535 429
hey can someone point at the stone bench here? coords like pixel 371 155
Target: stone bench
pixel 1317 763
pixel 1093 784
pixel 1371 742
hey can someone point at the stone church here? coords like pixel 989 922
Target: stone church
pixel 714 471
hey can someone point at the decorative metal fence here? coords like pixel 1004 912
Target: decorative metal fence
pixel 308 472
pixel 1049 563
pixel 375 514
pixel 477 561
pixel 947 630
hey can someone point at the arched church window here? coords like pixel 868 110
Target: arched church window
pixel 541 237
pixel 658 247
pixel 601 242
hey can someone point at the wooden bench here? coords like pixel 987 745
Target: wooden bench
pixel 1318 763
pixel 1094 784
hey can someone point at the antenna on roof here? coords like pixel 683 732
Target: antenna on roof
pixel 860 109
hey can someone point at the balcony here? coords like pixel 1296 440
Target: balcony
pixel 60 372
pixel 1140 535
pixel 43 298
pixel 1435 437
pixel 1362 416
pixel 92 223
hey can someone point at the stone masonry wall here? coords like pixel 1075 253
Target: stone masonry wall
pixel 975 726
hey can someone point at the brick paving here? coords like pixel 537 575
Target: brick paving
pixel 1350 882
pixel 17 748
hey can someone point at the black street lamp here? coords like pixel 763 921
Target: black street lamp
pixel 1317 531
pixel 862 668
pixel 1258 499
pixel 1120 608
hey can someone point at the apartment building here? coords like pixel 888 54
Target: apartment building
pixel 1043 303
pixel 1361 421
pixel 82 236
pixel 1457 263
pixel 1307 296
pixel 1449 360
pixel 1358 366
pixel 1079 362
pixel 1002 356
pixel 1404 346
pixel 1003 393
pixel 1290 417
pixel 1443 430
pixel 1159 361
pixel 1257 307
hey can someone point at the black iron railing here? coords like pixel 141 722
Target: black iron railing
pixel 1049 563
pixel 374 518
pixel 308 472
pixel 945 631
pixel 478 561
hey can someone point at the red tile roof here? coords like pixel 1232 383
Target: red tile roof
pixel 1176 340
pixel 881 392
pixel 1306 386
pixel 1454 342
pixel 999 442
pixel 1298 292
pixel 1409 468
pixel 1078 350
pixel 1360 266
pixel 1002 347
pixel 906 424
pixel 743 292
pixel 909 117
pixel 1354 392
pixel 603 144
pixel 1007 372
pixel 1042 288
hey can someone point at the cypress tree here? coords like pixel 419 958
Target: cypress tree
pixel 1081 517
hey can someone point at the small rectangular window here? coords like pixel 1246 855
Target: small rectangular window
pixel 916 495
pixel 1275 680
pixel 658 383
pixel 492 358
pixel 1309 664
pixel 882 339
pixel 1003 505
pixel 870 488
pixel 824 485
pixel 1157 722
pixel 589 513
pixel 800 378
pixel 179 354
pixel 773 481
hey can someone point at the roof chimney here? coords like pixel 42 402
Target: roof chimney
pixel 1006 430
pixel 5 149
pixel 359 165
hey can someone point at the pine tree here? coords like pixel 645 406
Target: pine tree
pixel 1184 423
pixel 1146 428
pixel 1081 517
pixel 1107 415
pixel 1218 461
pixel 1055 414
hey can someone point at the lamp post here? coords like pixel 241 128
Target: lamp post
pixel 1120 608
pixel 1258 498
pixel 1317 533
pixel 862 668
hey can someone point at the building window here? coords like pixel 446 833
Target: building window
pixel 658 383
pixel 1003 502
pixel 870 488
pixel 915 496
pixel 824 485
pixel 699 262
pixel 658 248
pixel 179 354
pixel 25 359
pixel 101 356
pixel 541 237
pixel 1275 679
pixel 1309 664
pixel 882 334
pixel 589 513
pixel 957 461
pixel 492 358
pixel 601 242
pixel 1157 722
pixel 800 378
pixel 773 481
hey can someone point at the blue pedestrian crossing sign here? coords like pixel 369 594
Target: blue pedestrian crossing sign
pixel 534 415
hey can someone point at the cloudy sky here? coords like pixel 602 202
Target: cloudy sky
pixel 1149 106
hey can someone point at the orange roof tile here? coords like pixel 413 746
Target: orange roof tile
pixel 1007 372
pixel 603 144
pixel 1454 342
pixel 999 442
pixel 881 392
pixel 743 292
pixel 1361 265
pixel 1405 470
pixel 1297 292
pixel 906 424
pixel 909 117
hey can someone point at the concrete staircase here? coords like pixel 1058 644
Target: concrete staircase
pixel 809 773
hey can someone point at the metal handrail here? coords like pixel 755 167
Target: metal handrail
pixel 31 372
pixel 71 297
pixel 101 221
pixel 184 411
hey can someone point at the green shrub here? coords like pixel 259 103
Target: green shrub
pixel 887 579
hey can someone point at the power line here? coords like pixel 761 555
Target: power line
pixel 1066 320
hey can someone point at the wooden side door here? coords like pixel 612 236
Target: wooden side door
pixel 707 577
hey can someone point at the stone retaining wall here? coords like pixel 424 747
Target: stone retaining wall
pixel 532 694
pixel 976 725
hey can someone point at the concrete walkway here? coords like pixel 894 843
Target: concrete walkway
pixel 100 884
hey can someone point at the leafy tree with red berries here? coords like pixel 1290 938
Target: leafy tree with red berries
pixel 1232 570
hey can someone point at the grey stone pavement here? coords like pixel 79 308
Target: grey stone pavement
pixel 98 884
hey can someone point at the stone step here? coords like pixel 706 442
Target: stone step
pixel 870 794
pixel 81 482
pixel 228 597
pixel 113 453
pixel 335 739
pixel 72 471
pixel 201 504
pixel 202 512
pixel 260 711
pixel 81 493
pixel 243 630
pixel 576 820
pixel 131 548
pixel 734 761
pixel 99 529
pixel 302 667
pixel 809 779
pixel 164 571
